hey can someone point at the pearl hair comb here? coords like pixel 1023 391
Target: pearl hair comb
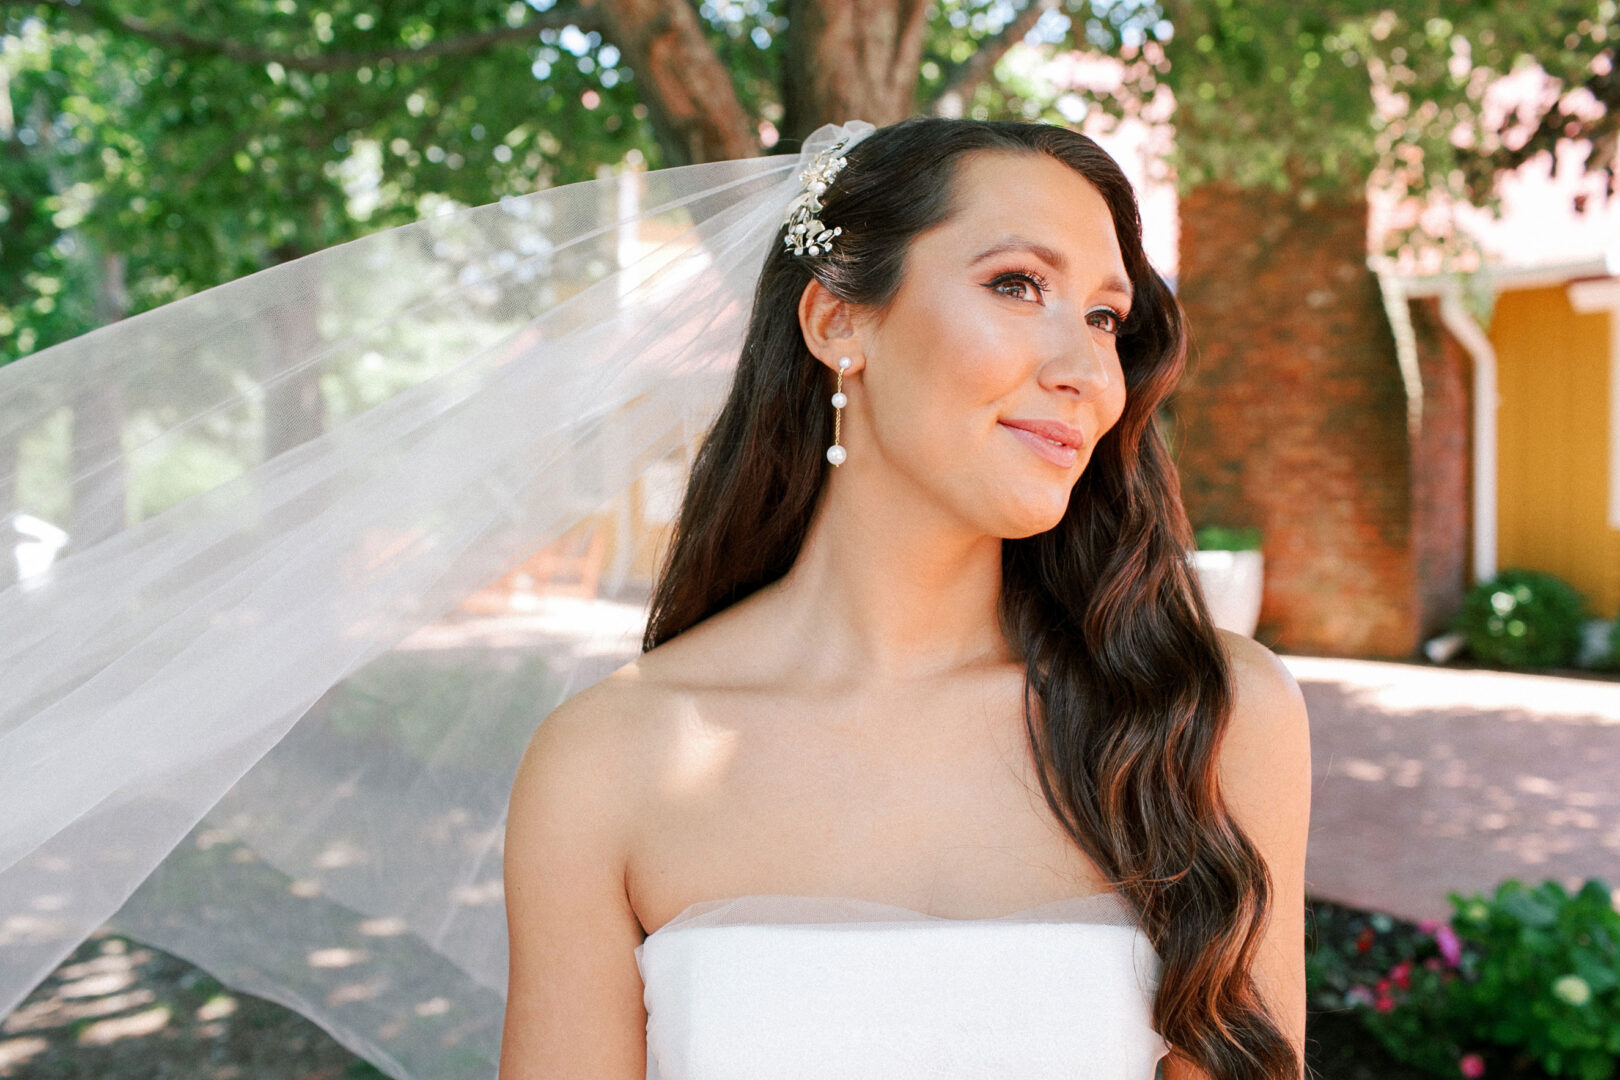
pixel 806 234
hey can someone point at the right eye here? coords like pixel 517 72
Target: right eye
pixel 1015 277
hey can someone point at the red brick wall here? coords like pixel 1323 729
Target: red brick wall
pixel 1441 480
pixel 1292 416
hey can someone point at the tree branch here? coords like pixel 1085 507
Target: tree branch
pixel 976 69
pixel 177 40
pixel 1557 125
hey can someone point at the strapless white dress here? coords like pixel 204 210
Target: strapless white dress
pixel 806 988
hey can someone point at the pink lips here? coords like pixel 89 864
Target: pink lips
pixel 1038 436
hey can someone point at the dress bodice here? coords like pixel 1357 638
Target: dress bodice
pixel 806 988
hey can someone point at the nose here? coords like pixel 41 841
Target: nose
pixel 1079 360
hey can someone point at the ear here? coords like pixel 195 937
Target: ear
pixel 830 329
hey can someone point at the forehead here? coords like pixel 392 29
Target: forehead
pixel 1032 194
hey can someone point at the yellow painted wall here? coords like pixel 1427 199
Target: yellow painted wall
pixel 1552 442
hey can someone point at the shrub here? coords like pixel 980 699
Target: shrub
pixel 1227 538
pixel 1527 977
pixel 1522 618
pixel 1548 977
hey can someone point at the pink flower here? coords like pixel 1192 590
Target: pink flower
pixel 1450 947
pixel 1402 974
pixel 1428 926
pixel 1359 994
pixel 1432 963
pixel 1384 1004
pixel 1472 1065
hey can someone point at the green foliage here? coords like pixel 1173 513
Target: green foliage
pixel 1320 98
pixel 1522 618
pixel 1523 983
pixel 1537 980
pixel 1548 975
pixel 410 705
pixel 1411 1016
pixel 1227 538
pixel 1347 948
pixel 203 141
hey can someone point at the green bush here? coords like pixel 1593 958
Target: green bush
pixel 1227 538
pixel 1522 618
pixel 1548 977
pixel 1529 977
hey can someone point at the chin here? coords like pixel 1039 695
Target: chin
pixel 1032 520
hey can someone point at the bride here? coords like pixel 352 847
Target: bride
pixel 933 739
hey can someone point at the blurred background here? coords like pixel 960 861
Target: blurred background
pixel 1392 226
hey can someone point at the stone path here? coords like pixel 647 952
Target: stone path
pixel 1433 779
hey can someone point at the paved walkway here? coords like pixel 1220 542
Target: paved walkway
pixel 1431 779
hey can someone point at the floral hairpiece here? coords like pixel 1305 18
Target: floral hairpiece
pixel 806 235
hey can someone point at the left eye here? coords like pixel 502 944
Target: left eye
pixel 1119 320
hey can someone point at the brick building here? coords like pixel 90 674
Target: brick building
pixel 1392 447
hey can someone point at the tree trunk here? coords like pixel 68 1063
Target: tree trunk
pixel 9 460
pixel 689 93
pixel 294 411
pixel 97 465
pixel 850 60
pixel 842 60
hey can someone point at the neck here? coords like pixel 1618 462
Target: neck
pixel 889 587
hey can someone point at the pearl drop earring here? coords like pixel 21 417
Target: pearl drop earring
pixel 835 453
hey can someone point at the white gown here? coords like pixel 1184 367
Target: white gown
pixel 806 988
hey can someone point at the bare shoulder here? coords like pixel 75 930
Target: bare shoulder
pixel 599 750
pixel 1267 701
pixel 1264 769
pixel 586 777
pixel 1256 669
pixel 574 991
pixel 586 747
pixel 1264 760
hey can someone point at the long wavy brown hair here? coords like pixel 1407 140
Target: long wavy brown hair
pixel 1130 685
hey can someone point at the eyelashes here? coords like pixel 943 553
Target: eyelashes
pixel 1034 278
pixel 1016 275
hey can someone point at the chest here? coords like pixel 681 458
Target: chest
pixel 927 800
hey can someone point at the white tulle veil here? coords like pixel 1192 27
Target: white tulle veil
pixel 248 713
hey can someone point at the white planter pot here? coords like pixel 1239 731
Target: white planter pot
pixel 1231 581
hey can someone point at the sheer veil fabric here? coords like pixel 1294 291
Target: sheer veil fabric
pixel 339 534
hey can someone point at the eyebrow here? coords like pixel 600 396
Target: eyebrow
pixel 1049 255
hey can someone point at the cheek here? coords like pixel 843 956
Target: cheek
pixel 1107 403
pixel 932 400
pixel 1116 393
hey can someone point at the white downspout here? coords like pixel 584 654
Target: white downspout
pixel 1486 402
pixel 1397 290
pixel 1393 289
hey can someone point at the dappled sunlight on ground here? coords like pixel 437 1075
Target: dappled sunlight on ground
pixel 117 1009
pixel 1510 695
pixel 1429 780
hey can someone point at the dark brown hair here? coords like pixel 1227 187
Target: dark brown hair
pixel 1131 684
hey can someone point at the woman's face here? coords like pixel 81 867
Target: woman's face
pixel 988 332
